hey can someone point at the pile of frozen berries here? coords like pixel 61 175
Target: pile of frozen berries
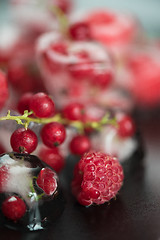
pixel 69 83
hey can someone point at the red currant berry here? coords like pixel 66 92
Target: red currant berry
pixel 47 180
pixel 13 208
pixel 23 140
pixel 53 134
pixel 79 31
pixel 126 127
pixel 52 157
pixel 80 144
pixel 73 111
pixel 42 105
pixel 24 102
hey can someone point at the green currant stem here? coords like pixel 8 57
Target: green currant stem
pixel 62 19
pixel 25 120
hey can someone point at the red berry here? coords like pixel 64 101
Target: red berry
pixel 3 89
pixel 52 157
pixel 80 144
pixel 97 178
pixel 53 134
pixel 23 140
pixel 42 105
pixel 79 31
pixel 47 180
pixel 102 79
pixel 24 102
pixel 73 111
pixel 126 126
pixel 13 208
pixel 4 176
pixel 59 47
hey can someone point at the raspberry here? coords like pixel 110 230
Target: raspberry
pixel 53 134
pixel 23 140
pixel 80 144
pixel 52 157
pixel 13 208
pixel 42 105
pixel 3 89
pixel 97 178
pixel 47 180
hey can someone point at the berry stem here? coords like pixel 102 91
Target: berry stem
pixel 25 120
pixel 62 19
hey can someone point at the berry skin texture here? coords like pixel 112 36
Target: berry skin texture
pixel 52 157
pixel 13 208
pixel 23 140
pixel 126 127
pixel 47 181
pixel 53 134
pixel 73 111
pixel 24 102
pixel 97 178
pixel 80 144
pixel 42 105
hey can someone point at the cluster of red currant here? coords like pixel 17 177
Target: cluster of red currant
pixel 64 82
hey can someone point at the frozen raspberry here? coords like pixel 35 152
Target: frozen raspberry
pixel 4 176
pixel 97 178
pixel 3 89
pixel 13 208
pixel 52 157
pixel 47 180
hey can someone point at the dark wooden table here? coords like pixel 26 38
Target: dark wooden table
pixel 135 214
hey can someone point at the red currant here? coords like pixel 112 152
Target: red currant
pixel 23 140
pixel 80 144
pixel 102 79
pixel 53 134
pixel 24 102
pixel 42 105
pixel 52 157
pixel 79 31
pixel 13 208
pixel 126 126
pixel 59 47
pixel 47 181
pixel 73 111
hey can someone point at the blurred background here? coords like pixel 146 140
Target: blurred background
pixel 147 11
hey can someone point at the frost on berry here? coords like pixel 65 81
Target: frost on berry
pixel 97 178
pixel 47 181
